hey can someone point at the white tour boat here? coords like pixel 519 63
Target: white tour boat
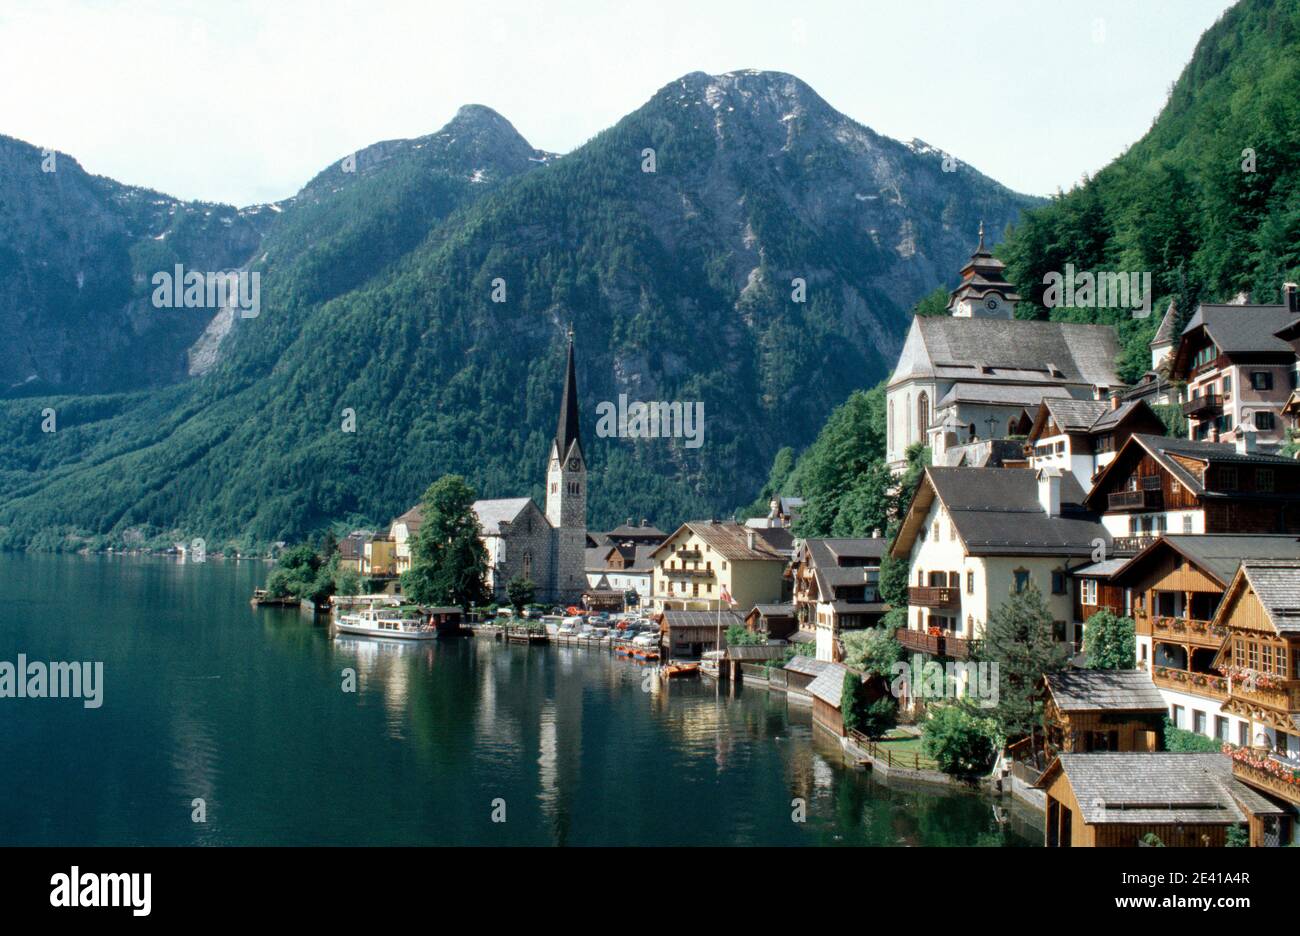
pixel 404 622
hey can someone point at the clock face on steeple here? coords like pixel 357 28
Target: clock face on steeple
pixel 991 303
pixel 574 464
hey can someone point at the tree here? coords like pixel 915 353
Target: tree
pixel 873 650
pixel 1110 641
pixel 448 560
pixel 740 636
pixel 875 719
pixel 1018 638
pixel 295 573
pixel 520 591
pixel 961 742
pixel 631 598
pixel 1238 837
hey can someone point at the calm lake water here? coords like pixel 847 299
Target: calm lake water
pixel 206 697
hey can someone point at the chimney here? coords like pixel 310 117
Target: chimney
pixel 749 539
pixel 1245 440
pixel 875 534
pixel 1049 491
pixel 629 521
pixel 1290 298
pixel 645 522
pixel 1114 399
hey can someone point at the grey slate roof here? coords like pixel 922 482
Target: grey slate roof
pixel 806 665
pixel 774 610
pixel 997 512
pixel 1083 690
pixel 829 684
pixel 492 513
pixel 1220 554
pixel 680 619
pixel 999 394
pixel 1224 453
pixel 755 652
pixel 1138 788
pixel 1103 569
pixel 1277 585
pixel 825 555
pixel 1240 329
pixel 1081 354
pixel 631 531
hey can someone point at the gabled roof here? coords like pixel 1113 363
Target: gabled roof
pixel 727 539
pixel 1276 583
pixel 829 684
pixel 710 619
pixel 1218 555
pixel 412 519
pixel 824 556
pixel 997 513
pixel 1143 788
pixel 773 610
pixel 1086 690
pixel 806 665
pixel 1164 448
pixel 492 513
pixel 632 531
pixel 1009 350
pixel 1088 416
pixel 1241 329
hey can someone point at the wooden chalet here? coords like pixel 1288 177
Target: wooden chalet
pixel 1185 800
pixel 1082 436
pixel 1161 485
pixel 1260 614
pixel 1173 590
pixel 691 633
pixel 773 621
pixel 1102 710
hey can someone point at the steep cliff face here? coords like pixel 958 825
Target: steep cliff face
pixel 764 268
pixel 76 254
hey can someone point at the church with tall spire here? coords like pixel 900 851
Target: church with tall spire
pixel 548 548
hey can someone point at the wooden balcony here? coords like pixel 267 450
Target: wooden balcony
pixel 1153 499
pixel 1202 684
pixel 1284 697
pixel 688 573
pixel 1130 545
pixel 1188 630
pixel 941 645
pixel 1204 405
pixel 1265 772
pixel 933 596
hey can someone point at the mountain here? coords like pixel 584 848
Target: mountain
pixel 1208 201
pixel 378 295
pixel 76 252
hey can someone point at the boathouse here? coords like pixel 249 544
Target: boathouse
pixel 1102 710
pixel 826 691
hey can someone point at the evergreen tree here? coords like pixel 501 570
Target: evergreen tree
pixel 1110 641
pixel 521 592
pixel 1018 638
pixel 448 560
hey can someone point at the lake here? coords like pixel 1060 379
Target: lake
pixel 206 698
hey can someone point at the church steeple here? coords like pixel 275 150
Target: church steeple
pixel 567 432
pixel 984 291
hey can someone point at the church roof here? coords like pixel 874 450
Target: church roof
pixel 492 513
pixel 567 433
pixel 1010 351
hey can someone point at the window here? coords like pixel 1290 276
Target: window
pixel 1221 728
pixel 1227 479
pixel 1198 721
pixel 1264 480
pixel 1021 577
pixel 1176 716
pixel 1243 734
pixel 936 529
pixel 1187 523
pixel 1089 592
pixel 889 421
pixel 1058 582
pixel 1264 421
pixel 970 583
pixel 922 414
pixel 1227 384
pixel 1261 380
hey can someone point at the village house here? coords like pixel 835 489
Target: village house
pixel 1183 800
pixel 694 633
pixel 547 548
pixel 978 374
pixel 836 586
pixel 1101 710
pixel 1173 590
pixel 1158 484
pixel 622 567
pixel 1239 372
pixel 773 621
pixel 1260 615
pixel 703 559
pixel 1083 436
pixel 974 536
pixel 782 512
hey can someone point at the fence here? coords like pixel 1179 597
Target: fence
pixel 880 750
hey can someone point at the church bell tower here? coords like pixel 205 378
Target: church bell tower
pixel 566 490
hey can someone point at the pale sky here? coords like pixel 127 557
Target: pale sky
pixel 243 102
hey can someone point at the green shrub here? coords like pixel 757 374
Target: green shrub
pixel 960 742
